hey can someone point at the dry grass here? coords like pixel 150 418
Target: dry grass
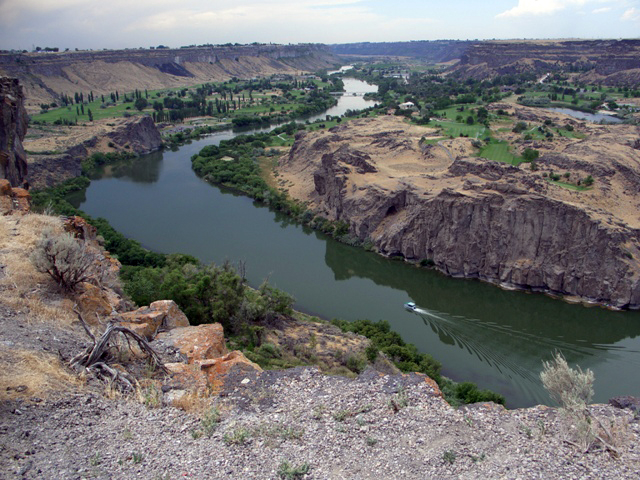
pixel 22 287
pixel 41 374
pixel 193 402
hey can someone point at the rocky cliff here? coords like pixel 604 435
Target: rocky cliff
pixel 46 75
pixel 614 62
pixel 430 51
pixel 479 219
pixel 55 158
pixel 13 128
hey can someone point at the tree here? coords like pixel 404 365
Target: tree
pixel 529 154
pixel 141 103
pixel 470 120
pixel 90 115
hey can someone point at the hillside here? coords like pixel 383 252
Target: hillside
pixel 46 75
pixel 610 62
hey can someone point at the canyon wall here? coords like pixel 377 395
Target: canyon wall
pixel 615 62
pixel 474 218
pixel 137 135
pixel 13 128
pixel 430 51
pixel 46 75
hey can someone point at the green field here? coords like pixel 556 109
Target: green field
pixel 262 104
pixel 455 129
pixel 500 152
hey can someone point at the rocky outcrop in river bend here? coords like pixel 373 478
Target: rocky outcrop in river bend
pixel 471 217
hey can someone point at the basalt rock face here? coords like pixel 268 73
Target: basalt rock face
pixel 13 128
pixel 615 62
pixel 137 135
pixel 479 219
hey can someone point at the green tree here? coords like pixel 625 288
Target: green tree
pixel 141 103
pixel 529 154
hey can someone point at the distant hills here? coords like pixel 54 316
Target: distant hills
pixel 611 62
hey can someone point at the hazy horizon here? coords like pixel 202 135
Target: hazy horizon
pixel 89 24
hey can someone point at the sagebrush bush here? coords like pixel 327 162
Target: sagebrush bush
pixel 571 388
pixel 66 259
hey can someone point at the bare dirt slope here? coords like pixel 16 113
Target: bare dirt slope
pixel 478 218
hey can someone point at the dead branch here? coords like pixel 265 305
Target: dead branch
pixel 84 324
pixel 95 358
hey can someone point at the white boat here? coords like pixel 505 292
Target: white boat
pixel 411 306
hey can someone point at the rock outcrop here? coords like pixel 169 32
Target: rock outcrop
pixel 147 321
pixel 138 135
pixel 13 199
pixel 479 219
pixel 13 128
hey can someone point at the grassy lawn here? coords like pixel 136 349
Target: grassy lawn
pixel 455 129
pixel 500 152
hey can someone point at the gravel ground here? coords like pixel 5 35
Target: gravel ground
pixel 338 428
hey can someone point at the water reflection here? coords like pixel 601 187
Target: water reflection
pixel 509 332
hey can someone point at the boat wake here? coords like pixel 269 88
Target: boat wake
pixel 482 338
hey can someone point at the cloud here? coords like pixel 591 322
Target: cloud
pixel 547 7
pixel 601 10
pixel 632 14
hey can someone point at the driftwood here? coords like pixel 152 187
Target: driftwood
pixel 96 357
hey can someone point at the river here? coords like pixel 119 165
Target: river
pixel 479 332
pixel 589 117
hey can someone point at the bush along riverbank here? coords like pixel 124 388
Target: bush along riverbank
pixel 235 164
pixel 210 293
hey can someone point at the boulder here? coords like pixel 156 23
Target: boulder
pixel 202 342
pixel 160 315
pixel 218 368
pixel 93 302
pixel 13 199
pixel 80 228
pixel 208 376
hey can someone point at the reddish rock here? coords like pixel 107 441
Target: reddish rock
pixel 147 321
pixel 208 376
pixel 79 228
pixel 93 302
pixel 217 369
pixel 21 199
pixel 201 342
pixel 13 199
pixel 5 187
pixel 187 377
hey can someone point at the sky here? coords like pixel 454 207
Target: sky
pixel 112 24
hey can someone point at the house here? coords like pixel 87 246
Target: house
pixel 407 106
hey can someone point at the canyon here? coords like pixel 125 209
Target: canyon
pixel 411 194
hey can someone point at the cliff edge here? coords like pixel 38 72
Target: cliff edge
pixel 13 128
